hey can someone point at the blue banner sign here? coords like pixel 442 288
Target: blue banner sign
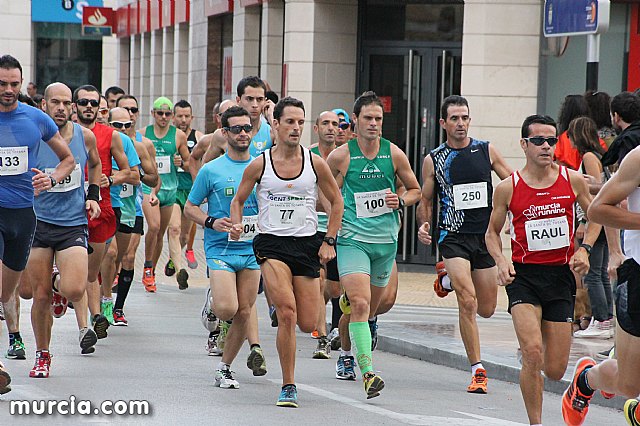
pixel 575 17
pixel 63 11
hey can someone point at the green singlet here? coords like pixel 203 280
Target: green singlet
pixel 165 150
pixel 366 215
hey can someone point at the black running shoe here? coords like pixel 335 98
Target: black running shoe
pixel 182 278
pixel 100 325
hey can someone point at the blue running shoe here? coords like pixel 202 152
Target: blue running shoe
pixel 288 397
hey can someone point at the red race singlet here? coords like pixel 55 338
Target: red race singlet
pixel 542 221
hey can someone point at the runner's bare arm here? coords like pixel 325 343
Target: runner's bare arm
pixel 330 190
pixel 604 208
pixel 183 150
pixel 126 173
pixel 94 165
pixel 408 178
pixel 197 153
pixel 583 197
pixel 498 163
pixel 67 162
pixel 194 213
pixel 249 179
pixel 152 153
pixel 501 200
pixel 150 177
pixel 424 211
pixel 217 147
pixel 94 171
pixel 338 162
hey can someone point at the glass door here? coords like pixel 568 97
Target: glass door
pixel 412 81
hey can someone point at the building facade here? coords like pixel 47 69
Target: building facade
pixel 325 52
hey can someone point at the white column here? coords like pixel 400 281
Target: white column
pixel 246 42
pixel 167 63
pixel 135 67
pixel 16 38
pixel 124 60
pixel 319 73
pixel 197 74
pixel 144 95
pixel 110 64
pixel 156 88
pixel 271 44
pixel 181 60
pixel 500 54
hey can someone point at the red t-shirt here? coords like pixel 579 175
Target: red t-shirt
pixel 542 221
pixel 103 139
pixel 568 154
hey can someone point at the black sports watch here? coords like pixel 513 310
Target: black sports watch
pixel 587 247
pixel 331 241
pixel 400 203
pixel 53 181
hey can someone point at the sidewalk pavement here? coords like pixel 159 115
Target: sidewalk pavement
pixel 424 326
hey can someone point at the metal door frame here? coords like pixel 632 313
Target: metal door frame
pixel 424 119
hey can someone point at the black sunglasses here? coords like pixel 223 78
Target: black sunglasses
pixel 84 102
pixel 132 110
pixel 238 128
pixel 165 113
pixel 540 140
pixel 343 125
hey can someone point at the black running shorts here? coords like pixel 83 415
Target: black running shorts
pixel 138 227
pixel 330 268
pixel 628 297
pixel 467 246
pixel 300 254
pixel 58 237
pixel 17 227
pixel 553 287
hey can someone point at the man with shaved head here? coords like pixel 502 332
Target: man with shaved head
pixel 61 229
pixel 211 145
pixel 326 128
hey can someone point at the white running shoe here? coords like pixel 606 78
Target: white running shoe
pixel 209 320
pixel 596 330
pixel 225 380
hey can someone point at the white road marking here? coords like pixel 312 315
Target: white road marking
pixel 412 419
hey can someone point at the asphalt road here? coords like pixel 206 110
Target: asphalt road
pixel 160 358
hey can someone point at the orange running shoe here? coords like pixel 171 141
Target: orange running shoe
pixel 575 404
pixel 437 284
pixel 478 382
pixel 149 280
pixel 315 334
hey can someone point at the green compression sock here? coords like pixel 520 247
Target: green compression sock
pixel 361 342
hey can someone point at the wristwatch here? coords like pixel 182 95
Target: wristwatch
pixel 587 247
pixel 53 181
pixel 110 179
pixel 400 203
pixel 331 241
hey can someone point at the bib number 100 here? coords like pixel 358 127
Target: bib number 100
pixel 374 203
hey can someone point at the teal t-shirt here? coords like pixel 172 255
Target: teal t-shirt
pixel 217 181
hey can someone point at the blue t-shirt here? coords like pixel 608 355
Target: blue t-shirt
pixel 64 204
pixel 134 160
pixel 262 140
pixel 21 132
pixel 217 181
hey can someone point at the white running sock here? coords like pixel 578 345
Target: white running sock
pixel 223 366
pixel 345 353
pixel 446 283
pixel 475 367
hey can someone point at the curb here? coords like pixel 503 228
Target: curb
pixel 497 370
